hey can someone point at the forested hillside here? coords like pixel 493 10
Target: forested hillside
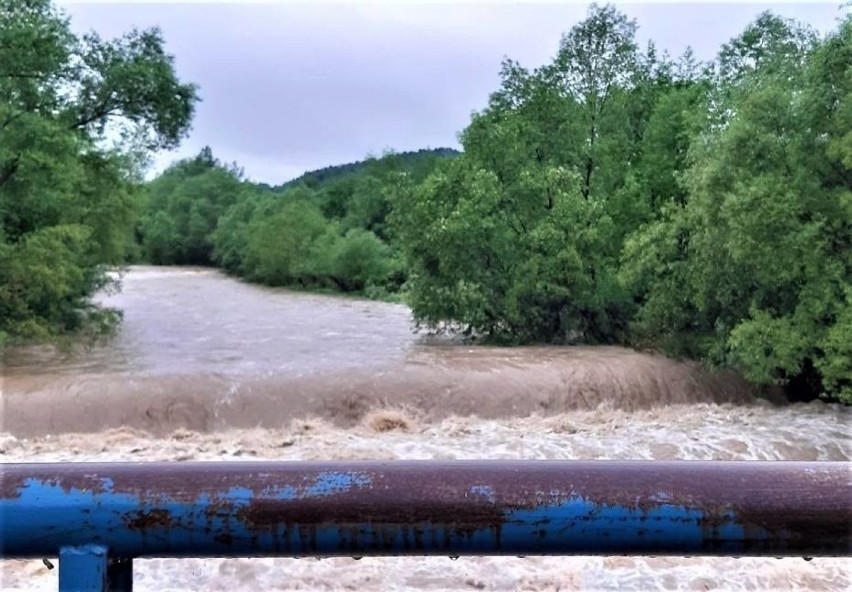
pixel 325 230
pixel 613 195
pixel 416 163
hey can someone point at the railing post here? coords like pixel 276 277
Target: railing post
pixel 89 568
pixel 120 574
pixel 83 569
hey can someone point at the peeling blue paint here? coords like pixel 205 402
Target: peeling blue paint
pixel 580 526
pixel 230 510
pixel 483 490
pixel 77 516
pixel 334 482
pixel 559 524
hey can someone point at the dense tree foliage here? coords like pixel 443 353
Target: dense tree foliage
pixel 184 207
pixel 521 238
pixel 754 269
pixel 326 230
pixel 618 196
pixel 67 194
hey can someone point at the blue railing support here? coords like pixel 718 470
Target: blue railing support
pixel 97 517
pixel 83 567
pixel 90 568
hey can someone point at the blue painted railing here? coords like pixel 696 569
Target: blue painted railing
pixel 97 517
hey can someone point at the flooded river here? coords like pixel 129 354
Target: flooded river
pixel 208 368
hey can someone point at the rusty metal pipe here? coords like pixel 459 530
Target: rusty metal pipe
pixel 427 508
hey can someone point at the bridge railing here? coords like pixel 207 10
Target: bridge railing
pixel 98 517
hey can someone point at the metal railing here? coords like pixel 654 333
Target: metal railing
pixel 97 517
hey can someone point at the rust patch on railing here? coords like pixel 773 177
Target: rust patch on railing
pixel 779 505
pixel 144 520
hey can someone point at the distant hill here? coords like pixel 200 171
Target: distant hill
pixel 408 161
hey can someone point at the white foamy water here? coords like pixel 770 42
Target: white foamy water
pixel 701 432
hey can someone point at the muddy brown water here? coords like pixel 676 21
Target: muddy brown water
pixel 208 368
pixel 202 351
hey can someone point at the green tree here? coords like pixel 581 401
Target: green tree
pixel 753 270
pixel 65 187
pixel 519 239
pixel 499 266
pixel 360 260
pixel 230 239
pixel 280 247
pixel 595 65
pixel 185 204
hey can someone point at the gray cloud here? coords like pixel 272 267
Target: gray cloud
pixel 293 87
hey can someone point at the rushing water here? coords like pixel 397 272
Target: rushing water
pixel 209 368
pixel 196 321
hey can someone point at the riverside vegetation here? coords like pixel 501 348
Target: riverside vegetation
pixel 614 195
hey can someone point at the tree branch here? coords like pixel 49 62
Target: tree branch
pixel 9 169
pixel 12 119
pixel 25 75
pixel 101 113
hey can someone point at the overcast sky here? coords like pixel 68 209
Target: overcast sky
pixel 288 87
